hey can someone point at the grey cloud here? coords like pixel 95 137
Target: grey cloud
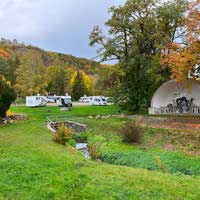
pixel 61 25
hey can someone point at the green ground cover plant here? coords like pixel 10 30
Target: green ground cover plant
pixel 170 162
pixel 33 166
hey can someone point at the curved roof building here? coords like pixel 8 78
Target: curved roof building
pixel 176 98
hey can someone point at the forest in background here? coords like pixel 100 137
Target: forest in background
pixel 32 71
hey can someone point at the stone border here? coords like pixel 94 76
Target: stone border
pixel 77 127
pixel 13 118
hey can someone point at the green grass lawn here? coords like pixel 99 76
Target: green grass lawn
pixel 34 167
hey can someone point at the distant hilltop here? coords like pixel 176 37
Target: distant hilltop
pixel 11 42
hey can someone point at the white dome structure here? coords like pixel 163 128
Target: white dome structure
pixel 173 97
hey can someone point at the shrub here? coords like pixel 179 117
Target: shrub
pixel 9 113
pixel 80 137
pixel 94 150
pixel 160 164
pixel 71 142
pixel 131 132
pixel 63 134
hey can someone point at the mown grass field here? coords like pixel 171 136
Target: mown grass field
pixel 33 166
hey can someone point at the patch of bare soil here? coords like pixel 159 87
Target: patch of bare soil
pixel 175 134
pixel 173 125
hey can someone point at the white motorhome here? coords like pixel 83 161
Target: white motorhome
pixel 98 101
pixel 36 101
pixel 84 99
pixel 52 99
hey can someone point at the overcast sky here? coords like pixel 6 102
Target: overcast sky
pixel 55 25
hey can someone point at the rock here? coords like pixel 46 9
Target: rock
pixel 106 117
pixel 20 117
pixel 98 116
pixel 65 109
pixel 91 117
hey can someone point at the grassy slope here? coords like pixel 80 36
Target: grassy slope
pixel 32 166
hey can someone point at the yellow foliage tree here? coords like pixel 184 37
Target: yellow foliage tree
pixel 86 78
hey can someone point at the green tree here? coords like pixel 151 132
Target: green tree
pixel 137 33
pixel 7 96
pixel 31 75
pixel 108 78
pixel 8 67
pixel 12 65
pixel 78 87
pixel 57 80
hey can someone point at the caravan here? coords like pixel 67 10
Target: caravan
pixel 36 101
pixel 98 101
pixel 84 99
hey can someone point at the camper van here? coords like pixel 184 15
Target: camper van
pixel 64 101
pixel 98 101
pixel 84 99
pixel 52 99
pixel 36 101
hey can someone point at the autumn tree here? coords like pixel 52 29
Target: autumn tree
pixel 183 56
pixel 136 33
pixel 4 53
pixel 8 68
pixel 80 85
pixel 31 75
pixel 86 80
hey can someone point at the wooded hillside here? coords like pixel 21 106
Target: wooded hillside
pixel 49 58
pixel 32 70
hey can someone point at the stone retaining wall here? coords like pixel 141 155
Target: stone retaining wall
pixel 141 118
pixel 77 127
pixel 171 119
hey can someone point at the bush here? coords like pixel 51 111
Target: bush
pixel 9 113
pixel 131 132
pixel 94 150
pixel 63 134
pixel 80 137
pixel 72 142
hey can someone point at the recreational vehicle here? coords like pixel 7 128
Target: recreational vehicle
pixel 98 101
pixel 84 99
pixel 36 101
pixel 52 99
